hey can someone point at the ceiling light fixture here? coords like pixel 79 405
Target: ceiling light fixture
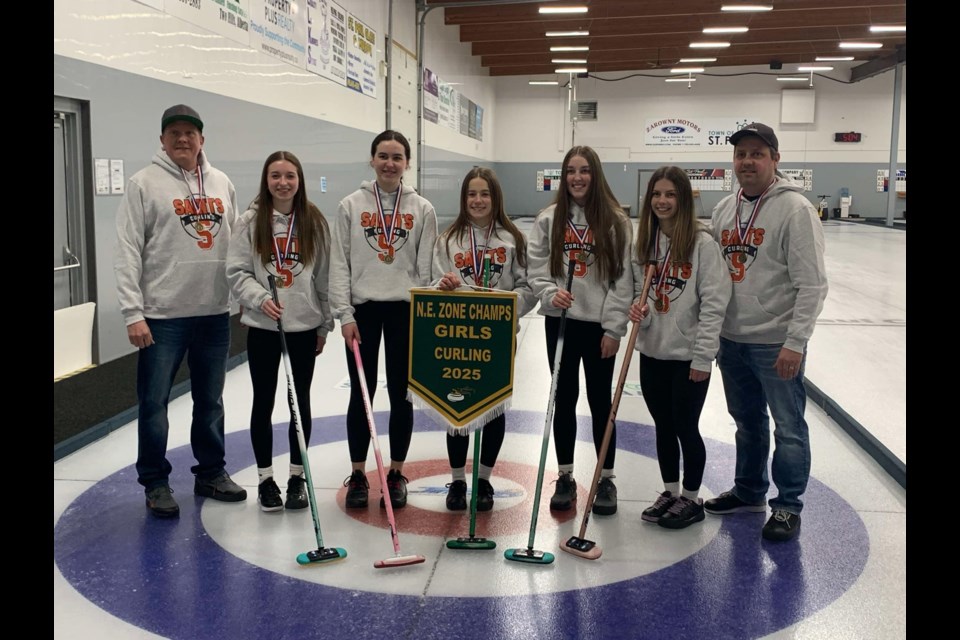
pixel 834 58
pixel 680 79
pixel 726 30
pixel 814 68
pixel 790 79
pixel 569 61
pixel 579 9
pixel 566 34
pixel 571 70
pixel 888 28
pixel 861 45
pixel 746 7
pixel 687 70
pixel 543 82
pixel 697 60
pixel 559 49
pixel 709 45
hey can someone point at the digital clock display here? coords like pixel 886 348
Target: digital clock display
pixel 850 136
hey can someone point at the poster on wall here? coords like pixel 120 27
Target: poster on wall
pixel 478 123
pixel 883 180
pixel 465 115
pixel 327 40
pixel 228 18
pixel 431 96
pixel 801 177
pixel 449 106
pixel 708 179
pixel 548 179
pixel 361 57
pixel 277 28
pixel 694 133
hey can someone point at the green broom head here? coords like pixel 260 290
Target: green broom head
pixel 531 556
pixel 471 542
pixel 319 556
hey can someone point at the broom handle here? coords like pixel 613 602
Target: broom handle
pixel 608 432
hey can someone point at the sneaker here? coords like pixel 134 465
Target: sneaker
pixel 457 495
pixel 161 503
pixel 297 493
pixel 726 502
pixel 484 495
pixel 565 494
pixel 682 513
pixel 220 487
pixel 605 502
pixel 268 495
pixel 660 506
pixel 397 488
pixel 357 490
pixel 781 526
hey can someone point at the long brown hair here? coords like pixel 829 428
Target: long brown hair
pixel 604 215
pixel 311 226
pixel 683 237
pixel 499 215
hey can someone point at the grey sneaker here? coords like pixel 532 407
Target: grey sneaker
pixel 220 487
pixel 605 502
pixel 565 493
pixel 161 503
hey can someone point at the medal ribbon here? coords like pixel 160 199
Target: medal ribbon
pixel 196 203
pixel 744 231
pixel 662 275
pixel 581 237
pixel 478 265
pixel 280 256
pixel 389 232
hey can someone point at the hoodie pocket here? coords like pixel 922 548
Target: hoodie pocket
pixel 202 283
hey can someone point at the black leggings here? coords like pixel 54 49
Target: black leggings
pixel 391 320
pixel 675 402
pixel 263 357
pixel 581 341
pixel 491 440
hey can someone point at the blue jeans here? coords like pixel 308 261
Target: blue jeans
pixel 751 384
pixel 205 340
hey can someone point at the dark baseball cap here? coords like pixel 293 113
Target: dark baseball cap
pixel 760 130
pixel 183 113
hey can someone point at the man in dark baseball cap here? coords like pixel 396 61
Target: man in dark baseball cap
pixel 772 242
pixel 758 129
pixel 182 113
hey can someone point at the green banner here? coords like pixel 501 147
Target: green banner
pixel 462 346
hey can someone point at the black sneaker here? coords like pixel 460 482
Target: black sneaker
pixel 397 488
pixel 457 495
pixel 484 495
pixel 268 495
pixel 682 513
pixel 654 512
pixel 219 487
pixel 161 503
pixel 726 502
pixel 605 502
pixel 297 493
pixel 565 493
pixel 357 490
pixel 781 526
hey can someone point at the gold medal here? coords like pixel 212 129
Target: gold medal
pixel 387 258
pixel 658 305
pixel 280 282
pixel 582 257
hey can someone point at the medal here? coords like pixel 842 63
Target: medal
pixel 581 255
pixel 388 233
pixel 279 282
pixel 662 303
pixel 387 258
pixel 658 305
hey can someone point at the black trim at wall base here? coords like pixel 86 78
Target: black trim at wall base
pixel 91 404
pixel 884 457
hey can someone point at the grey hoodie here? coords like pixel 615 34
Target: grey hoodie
pixel 688 326
pixel 358 272
pixel 506 272
pixel 605 302
pixel 304 300
pixel 779 279
pixel 169 259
